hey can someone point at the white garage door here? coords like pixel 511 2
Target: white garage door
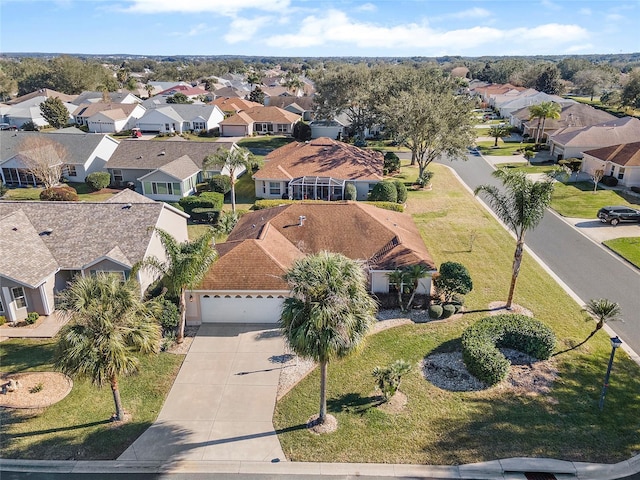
pixel 240 309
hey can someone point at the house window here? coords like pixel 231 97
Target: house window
pixel 117 177
pixel 176 188
pixel 264 187
pixel 118 273
pixel 282 128
pixel 274 188
pixel 198 125
pixel 69 171
pixel 18 297
pixel 161 188
pixel 1 306
pixel 620 173
pixel 613 168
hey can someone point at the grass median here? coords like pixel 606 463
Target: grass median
pixel 445 427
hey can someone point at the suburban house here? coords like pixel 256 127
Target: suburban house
pixel 302 106
pixel 528 98
pixel 619 161
pixel 246 283
pixel 102 117
pixel 259 120
pixel 84 153
pixel 572 141
pixel 232 105
pixel 229 92
pixel 46 244
pixel 163 170
pixel 27 107
pixel 111 97
pixel 192 93
pixel 318 169
pixel 336 128
pixel 178 118
pixel 487 92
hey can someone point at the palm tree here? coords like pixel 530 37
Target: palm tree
pixel 499 131
pixel 414 274
pixel 398 278
pixel 328 313
pixel 149 88
pixel 521 208
pixel 109 324
pixel 234 160
pixel 542 111
pixel 186 265
pixel 293 82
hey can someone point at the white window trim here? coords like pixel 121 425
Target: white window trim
pixel 23 297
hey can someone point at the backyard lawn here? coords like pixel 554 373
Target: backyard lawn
pixel 78 426
pixel 627 247
pixel 445 427
pixel 84 193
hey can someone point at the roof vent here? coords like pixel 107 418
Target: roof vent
pixel 162 152
pixel 126 206
pixel 139 157
pixel 46 232
pixel 301 218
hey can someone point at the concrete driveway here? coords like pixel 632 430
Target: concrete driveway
pixel 221 404
pixel 600 232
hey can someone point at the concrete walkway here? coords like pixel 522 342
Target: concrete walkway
pixel 46 327
pixel 221 405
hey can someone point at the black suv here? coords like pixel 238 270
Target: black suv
pixel 615 215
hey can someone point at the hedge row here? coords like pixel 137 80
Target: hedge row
pixel 480 343
pixel 269 203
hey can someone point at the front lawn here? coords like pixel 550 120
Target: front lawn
pixel 528 168
pixel 578 200
pixel 627 247
pixel 84 193
pixel 265 141
pixel 78 427
pixel 504 148
pixel 444 427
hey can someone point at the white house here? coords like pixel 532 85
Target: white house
pixel 619 161
pixel 179 118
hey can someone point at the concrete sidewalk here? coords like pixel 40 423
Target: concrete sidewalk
pixel 221 404
pixel 45 327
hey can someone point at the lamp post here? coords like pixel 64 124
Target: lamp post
pixel 615 343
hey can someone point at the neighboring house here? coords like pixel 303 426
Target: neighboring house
pixel 163 170
pixel 278 91
pixel 486 92
pixel 229 92
pixel 193 93
pixel 179 118
pixel 27 107
pixel 260 120
pixel 335 128
pixel 246 283
pixel 619 161
pixel 318 169
pixel 232 105
pixel 114 97
pixel 108 117
pixel 86 153
pixel 46 244
pixel 302 106
pixel 533 97
pixel 570 142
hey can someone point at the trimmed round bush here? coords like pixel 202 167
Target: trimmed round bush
pixel 448 310
pixel 98 180
pixel 609 181
pixel 481 341
pixel 169 316
pixel 350 192
pixel 59 194
pixel 391 163
pixel 220 184
pixel 435 311
pixel 384 192
pixel 401 189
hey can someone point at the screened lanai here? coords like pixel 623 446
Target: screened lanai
pixel 316 188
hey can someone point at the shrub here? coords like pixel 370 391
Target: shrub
pixel 209 215
pixel 435 311
pixel 220 184
pixel 350 192
pixel 210 200
pixel 384 192
pixel 391 163
pixel 3 319
pixel 226 222
pixel 388 378
pixel 301 131
pixel 401 189
pixel 448 310
pixel 424 179
pixel 177 206
pixel 452 278
pixel 37 388
pixel 30 126
pixel 274 202
pixel 202 187
pixel 457 299
pixel 395 207
pixel 98 180
pixel 609 181
pixel 32 317
pixel 480 343
pixel 633 189
pixel 169 315
pixel 59 194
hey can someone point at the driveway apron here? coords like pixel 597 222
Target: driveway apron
pixel 221 404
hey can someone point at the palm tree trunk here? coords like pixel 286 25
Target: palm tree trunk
pixel 233 194
pixel 517 260
pixel 323 392
pixel 413 158
pixel 495 144
pixel 183 316
pixel 578 345
pixel 116 398
pixel 538 130
pixel 413 295
pixel 544 121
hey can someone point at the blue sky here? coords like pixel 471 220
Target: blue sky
pixel 320 28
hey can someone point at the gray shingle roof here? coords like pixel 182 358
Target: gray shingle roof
pixel 180 169
pixel 83 232
pixel 147 154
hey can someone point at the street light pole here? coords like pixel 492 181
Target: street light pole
pixel 615 343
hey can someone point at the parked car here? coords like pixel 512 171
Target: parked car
pixel 616 214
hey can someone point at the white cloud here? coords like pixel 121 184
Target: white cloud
pixel 194 31
pixel 549 5
pixel 585 11
pixel 367 7
pixel 334 27
pixel 224 7
pixel 615 17
pixel 244 29
pixel 471 13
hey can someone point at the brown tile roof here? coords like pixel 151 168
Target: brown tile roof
pixel 305 102
pixel 147 154
pixel 261 114
pixel 43 92
pixel 90 109
pixel 240 118
pixel 322 157
pixel 626 154
pixel 233 104
pixel 180 168
pixel 265 243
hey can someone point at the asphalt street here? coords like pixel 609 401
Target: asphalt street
pixel 584 266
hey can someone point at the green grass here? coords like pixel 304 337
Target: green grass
pixel 265 141
pixel 29 193
pixel 245 194
pixel 78 426
pixel 33 193
pixel 578 200
pixel 504 149
pixel 443 427
pixel 627 247
pixel 529 169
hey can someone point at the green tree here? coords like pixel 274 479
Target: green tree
pixel 630 96
pixel 301 131
pixel 234 159
pixel 179 97
pixel 54 112
pixel 149 88
pixel 542 111
pixel 413 274
pixel 521 207
pixel 590 81
pixel 453 278
pixel 388 378
pixel 328 313
pixel 257 95
pixel 253 78
pixel 185 266
pixel 499 131
pixel 400 279
pixel 109 325
pixel 292 81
